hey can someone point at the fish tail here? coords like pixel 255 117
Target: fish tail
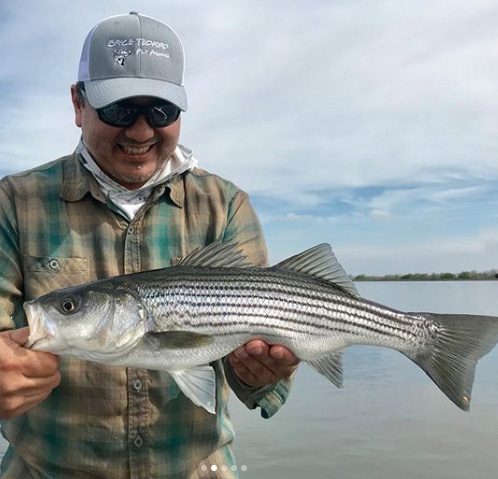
pixel 460 342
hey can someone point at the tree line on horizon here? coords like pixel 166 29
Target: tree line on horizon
pixel 462 276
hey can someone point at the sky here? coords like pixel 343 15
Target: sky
pixel 372 126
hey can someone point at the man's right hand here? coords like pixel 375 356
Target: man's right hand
pixel 26 377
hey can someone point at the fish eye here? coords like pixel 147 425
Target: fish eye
pixel 68 305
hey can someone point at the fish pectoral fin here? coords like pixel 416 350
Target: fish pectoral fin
pixel 178 339
pixel 330 366
pixel 199 385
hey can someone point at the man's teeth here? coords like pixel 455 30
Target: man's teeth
pixel 130 150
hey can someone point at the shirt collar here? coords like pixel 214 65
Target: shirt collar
pixel 176 191
pixel 76 181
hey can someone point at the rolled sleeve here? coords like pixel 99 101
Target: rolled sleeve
pixel 269 398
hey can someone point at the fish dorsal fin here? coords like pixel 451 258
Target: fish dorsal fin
pixel 216 255
pixel 320 262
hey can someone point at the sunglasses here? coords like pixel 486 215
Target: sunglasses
pixel 125 113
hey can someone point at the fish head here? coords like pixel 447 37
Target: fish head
pixel 90 321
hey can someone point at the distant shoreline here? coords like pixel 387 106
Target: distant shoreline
pixel 463 276
pixel 380 280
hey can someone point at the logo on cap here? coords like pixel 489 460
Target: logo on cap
pixel 120 55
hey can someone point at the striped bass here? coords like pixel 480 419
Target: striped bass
pixel 181 318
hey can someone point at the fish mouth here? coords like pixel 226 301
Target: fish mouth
pixel 41 329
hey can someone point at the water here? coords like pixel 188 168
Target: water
pixel 389 420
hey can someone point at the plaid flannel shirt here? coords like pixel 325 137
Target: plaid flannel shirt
pixel 57 230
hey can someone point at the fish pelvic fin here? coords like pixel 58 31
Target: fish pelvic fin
pixel 462 341
pixel 199 385
pixel 329 366
pixel 320 262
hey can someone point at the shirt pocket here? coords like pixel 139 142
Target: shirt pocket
pixel 44 274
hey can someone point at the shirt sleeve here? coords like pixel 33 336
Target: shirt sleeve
pixel 11 297
pixel 243 228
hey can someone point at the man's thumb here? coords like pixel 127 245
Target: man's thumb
pixel 19 336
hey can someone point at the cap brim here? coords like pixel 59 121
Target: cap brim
pixel 101 93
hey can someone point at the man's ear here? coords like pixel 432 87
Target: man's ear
pixel 77 105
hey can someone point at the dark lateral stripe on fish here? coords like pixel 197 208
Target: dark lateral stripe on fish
pixel 242 287
pixel 266 332
pixel 337 326
pixel 345 316
pixel 350 313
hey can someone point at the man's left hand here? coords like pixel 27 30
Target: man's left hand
pixel 259 364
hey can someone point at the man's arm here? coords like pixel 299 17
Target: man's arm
pixel 26 377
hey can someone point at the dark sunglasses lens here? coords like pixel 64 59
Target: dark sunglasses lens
pixel 118 114
pixel 125 114
pixel 162 115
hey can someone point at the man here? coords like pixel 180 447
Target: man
pixel 129 199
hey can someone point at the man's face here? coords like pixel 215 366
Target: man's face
pixel 128 155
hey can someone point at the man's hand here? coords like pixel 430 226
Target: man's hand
pixel 26 377
pixel 259 364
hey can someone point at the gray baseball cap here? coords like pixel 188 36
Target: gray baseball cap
pixel 132 55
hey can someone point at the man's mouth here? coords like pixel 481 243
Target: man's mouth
pixel 136 150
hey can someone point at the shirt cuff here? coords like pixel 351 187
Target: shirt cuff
pixel 269 398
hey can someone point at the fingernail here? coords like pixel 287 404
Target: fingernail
pixel 277 353
pixel 256 350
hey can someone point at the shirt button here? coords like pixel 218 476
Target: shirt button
pixel 137 385
pixel 53 264
pixel 138 442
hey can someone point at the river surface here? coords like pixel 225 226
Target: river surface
pixel 389 421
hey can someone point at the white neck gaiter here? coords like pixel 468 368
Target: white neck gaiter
pixel 130 201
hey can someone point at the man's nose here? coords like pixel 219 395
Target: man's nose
pixel 140 131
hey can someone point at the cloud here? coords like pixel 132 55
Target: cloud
pixel 341 94
pixel 361 123
pixel 427 196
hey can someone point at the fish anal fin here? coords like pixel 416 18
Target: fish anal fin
pixel 216 255
pixel 329 366
pixel 177 340
pixel 320 262
pixel 199 385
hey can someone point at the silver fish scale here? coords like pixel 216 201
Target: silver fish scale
pixel 257 301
